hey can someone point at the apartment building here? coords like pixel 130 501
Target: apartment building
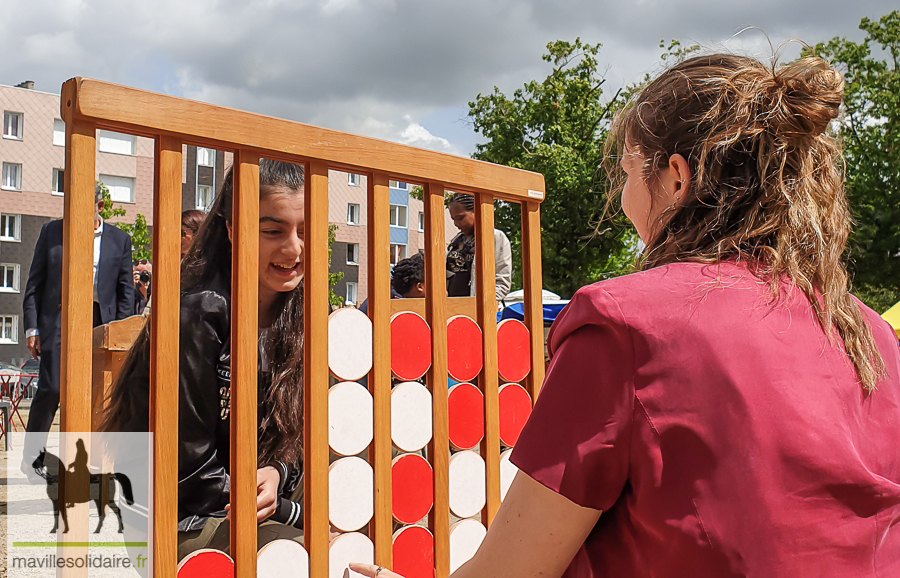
pixel 32 156
pixel 347 194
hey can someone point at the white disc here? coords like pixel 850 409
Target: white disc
pixel 349 344
pixel 351 500
pixel 507 473
pixel 349 418
pixel 410 416
pixel 346 548
pixel 465 538
pixel 467 484
pixel 282 558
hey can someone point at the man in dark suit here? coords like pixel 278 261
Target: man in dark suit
pixel 113 299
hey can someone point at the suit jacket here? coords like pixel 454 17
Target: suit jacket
pixel 42 304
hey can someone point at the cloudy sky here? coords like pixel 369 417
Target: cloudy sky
pixel 402 70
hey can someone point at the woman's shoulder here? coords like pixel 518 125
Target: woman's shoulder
pixel 666 282
pixel 645 298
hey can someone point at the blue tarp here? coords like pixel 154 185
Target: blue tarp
pixel 517 311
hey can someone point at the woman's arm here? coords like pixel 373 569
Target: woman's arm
pixel 536 533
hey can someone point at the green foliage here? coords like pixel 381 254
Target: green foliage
pixel 870 131
pixel 333 278
pixel 557 127
pixel 675 53
pixel 108 209
pixel 141 240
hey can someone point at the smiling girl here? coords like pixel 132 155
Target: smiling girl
pixel 205 375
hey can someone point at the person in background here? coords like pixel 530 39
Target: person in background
pixel 42 306
pixel 407 280
pixel 142 274
pixel 729 409
pixel 461 252
pixel 190 224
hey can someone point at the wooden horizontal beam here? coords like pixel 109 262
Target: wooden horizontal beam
pixel 116 107
pixel 455 306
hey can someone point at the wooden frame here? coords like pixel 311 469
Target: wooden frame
pixel 87 105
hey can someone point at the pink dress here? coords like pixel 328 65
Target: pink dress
pixel 721 434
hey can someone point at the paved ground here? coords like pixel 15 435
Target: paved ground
pixel 23 409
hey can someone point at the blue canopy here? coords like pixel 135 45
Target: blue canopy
pixel 517 311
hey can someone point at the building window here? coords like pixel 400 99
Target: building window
pixel 9 277
pixel 121 189
pixel 59 132
pixel 421 222
pixel 398 253
pixel 399 185
pixel 205 197
pixel 59 178
pixel 206 157
pixel 353 179
pixel 9 329
pixel 353 253
pixel 10 227
pixel 116 142
pixel 12 177
pixel 352 292
pixel 12 124
pixel 352 214
pixel 398 216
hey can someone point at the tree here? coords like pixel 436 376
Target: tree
pixel 333 277
pixel 869 128
pixel 558 127
pixel 141 240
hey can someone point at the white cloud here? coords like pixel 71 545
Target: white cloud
pixel 378 67
pixel 418 135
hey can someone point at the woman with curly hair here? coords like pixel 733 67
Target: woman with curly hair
pixel 729 409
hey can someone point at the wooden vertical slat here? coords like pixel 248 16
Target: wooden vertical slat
pixel 436 315
pixel 379 261
pixel 533 281
pixel 77 312
pixel 485 277
pixel 164 331
pixel 315 370
pixel 244 336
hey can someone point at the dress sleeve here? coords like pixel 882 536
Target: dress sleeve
pixel 577 440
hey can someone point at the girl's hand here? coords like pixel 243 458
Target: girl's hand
pixel 370 570
pixel 266 494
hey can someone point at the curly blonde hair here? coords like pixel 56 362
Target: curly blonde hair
pixel 766 180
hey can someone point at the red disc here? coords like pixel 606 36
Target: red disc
pixel 515 407
pixel 465 406
pixel 206 564
pixel 410 345
pixel 513 350
pixel 464 348
pixel 414 552
pixel 412 484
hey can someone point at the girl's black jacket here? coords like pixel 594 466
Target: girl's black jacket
pixel 204 409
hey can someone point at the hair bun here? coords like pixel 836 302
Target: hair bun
pixel 811 91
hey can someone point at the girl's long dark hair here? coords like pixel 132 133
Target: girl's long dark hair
pixel 281 430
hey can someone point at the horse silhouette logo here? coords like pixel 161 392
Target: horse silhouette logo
pixel 75 474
